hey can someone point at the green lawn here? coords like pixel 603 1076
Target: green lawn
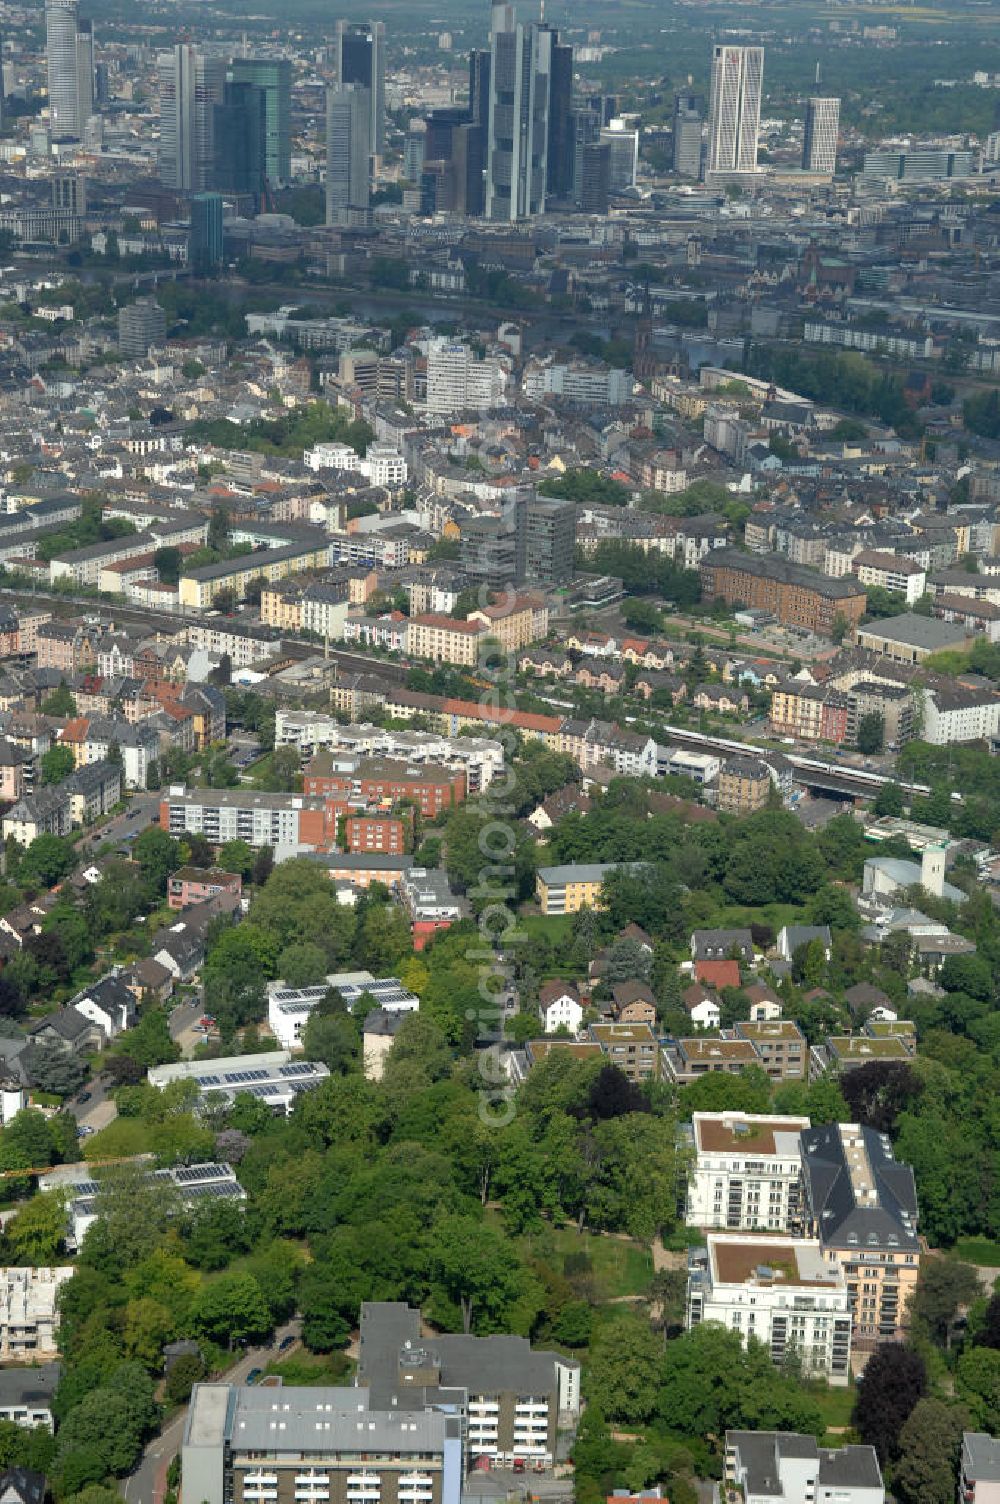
pixel 978 1251
pixel 304 1368
pixel 835 1406
pixel 620 1267
pixel 734 916
pixel 554 927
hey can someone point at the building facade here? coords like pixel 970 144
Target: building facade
pixel 746 1171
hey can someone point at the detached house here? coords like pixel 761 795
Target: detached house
pixel 559 1007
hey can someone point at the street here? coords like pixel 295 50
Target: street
pixel 142 811
pixel 98 1111
pixel 148 1483
pixel 183 1018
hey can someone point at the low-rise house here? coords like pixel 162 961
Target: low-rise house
pixel 191 885
pixel 559 1007
pixel 792 937
pixel 780 1290
pixel 765 1004
pixel 570 800
pixel 109 1003
pixel 702 1006
pixel 26 1395
pixel 149 981
pixel 717 973
pixel 380 1029
pixel 721 945
pixel 275 1079
pixel 69 1030
pixel 634 1003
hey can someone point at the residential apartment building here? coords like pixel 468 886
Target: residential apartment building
pixel 861 1204
pixel 633 1048
pixel 778 1467
pixel 512 1397
pixel 46 813
pixel 426 895
pixel 382 781
pixel 285 822
pixel 794 595
pixel 810 712
pixel 891 572
pixel 567 889
pixel 194 884
pixel 198 588
pixel 687 1059
pixel 446 639
pixel 29 1312
pixel 746 1171
pixel 26 1395
pixel 781 1047
pixel 744 785
pixel 783 1291
pixel 514 623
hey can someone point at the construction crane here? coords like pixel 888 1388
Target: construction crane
pixel 96 1164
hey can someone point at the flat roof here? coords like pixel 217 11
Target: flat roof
pixel 718 1049
pixel 731 1132
pixel 915 631
pixel 772 1261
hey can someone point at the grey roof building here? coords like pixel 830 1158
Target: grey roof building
pixel 785 1467
pixel 26 1394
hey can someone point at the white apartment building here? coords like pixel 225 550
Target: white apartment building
pixel 779 1467
pixel 308 730
pixel 838 559
pixel 288 1008
pixel 891 572
pixel 781 1291
pixel 385 466
pixel 29 1313
pixel 331 457
pixel 285 822
pixel 746 1171
pixel 960 715
pixel 597 386
pixel 457 380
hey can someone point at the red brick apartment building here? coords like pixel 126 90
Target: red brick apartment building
pixel 794 595
pixel 386 781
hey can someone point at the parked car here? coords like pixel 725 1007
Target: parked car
pixel 254 1375
pixel 285 1344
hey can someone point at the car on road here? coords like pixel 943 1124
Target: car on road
pixel 286 1343
pixel 254 1375
pixel 83 1096
pixel 84 1130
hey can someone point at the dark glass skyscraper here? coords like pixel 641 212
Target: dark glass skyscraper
pixel 360 50
pixel 205 241
pixel 559 182
pixel 240 137
pixel 274 76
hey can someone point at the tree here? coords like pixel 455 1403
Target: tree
pixel 38 1232
pixel 895 1378
pixel 929 1444
pixel 158 855
pixel 970 974
pixel 302 964
pixel 871 733
pixel 476 1268
pixel 53 1069
pixel 168 563
pixel 57 763
pixel 331 1040
pixel 878 1092
pixel 46 861
pixel 238 856
pixel 231 1309
pixel 623 1375
pixel 889 800
pixel 944 1286
pixel 60 702
pixel 977 1380
pixel 187 1371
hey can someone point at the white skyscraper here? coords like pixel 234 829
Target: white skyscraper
pixel 69 55
pixel 819 142
pixel 348 153
pixel 517 137
pixel 191 85
pixel 734 109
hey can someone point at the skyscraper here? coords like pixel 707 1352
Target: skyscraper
pixel 819 141
pixel 559 167
pixel 69 54
pixel 274 76
pixel 205 241
pixel 517 141
pixel 191 85
pixel 360 53
pixel 689 112
pixel 240 141
pixel 479 85
pixel 348 152
pixel 734 112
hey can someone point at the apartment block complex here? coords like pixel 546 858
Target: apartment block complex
pixel 285 822
pixel 567 889
pixel 513 1399
pixel 794 595
pixel 861 1204
pixel 633 1048
pixel 781 1290
pixel 746 1171
pixel 383 781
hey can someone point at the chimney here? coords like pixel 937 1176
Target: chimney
pixel 932 870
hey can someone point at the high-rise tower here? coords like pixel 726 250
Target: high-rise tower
pixel 69 55
pixel 819 141
pixel 191 85
pixel 274 76
pixel 360 53
pixel 517 138
pixel 734 114
pixel 348 153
